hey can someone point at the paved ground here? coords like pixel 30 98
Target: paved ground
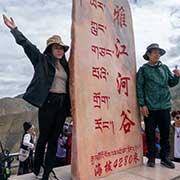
pixel 138 173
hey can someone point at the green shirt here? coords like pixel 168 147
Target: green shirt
pixel 153 82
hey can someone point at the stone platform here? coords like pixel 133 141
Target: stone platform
pixel 139 173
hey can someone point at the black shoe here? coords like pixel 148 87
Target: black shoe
pixel 151 163
pixel 53 175
pixel 45 177
pixel 49 175
pixel 167 163
pixel 36 170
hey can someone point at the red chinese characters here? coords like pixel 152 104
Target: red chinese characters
pixel 108 166
pixel 100 72
pixel 120 16
pixel 101 125
pixel 97 4
pixel 122 84
pixel 96 27
pixel 126 123
pixel 120 49
pixel 98 170
pixel 136 158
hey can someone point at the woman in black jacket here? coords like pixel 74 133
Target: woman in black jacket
pixel 49 91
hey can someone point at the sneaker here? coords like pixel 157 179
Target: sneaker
pixel 151 163
pixel 40 175
pixel 167 163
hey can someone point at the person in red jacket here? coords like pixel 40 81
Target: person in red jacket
pixel 69 144
pixel 144 141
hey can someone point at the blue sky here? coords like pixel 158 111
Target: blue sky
pixel 153 21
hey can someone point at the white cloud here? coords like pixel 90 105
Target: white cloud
pixel 154 21
pixel 38 20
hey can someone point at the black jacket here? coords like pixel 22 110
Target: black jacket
pixel 44 71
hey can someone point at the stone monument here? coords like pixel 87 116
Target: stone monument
pixel 106 134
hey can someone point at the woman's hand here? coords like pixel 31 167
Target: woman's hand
pixel 9 22
pixel 145 111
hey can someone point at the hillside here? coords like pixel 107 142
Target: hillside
pixel 175 92
pixel 13 112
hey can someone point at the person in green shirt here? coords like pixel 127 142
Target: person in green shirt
pixel 153 81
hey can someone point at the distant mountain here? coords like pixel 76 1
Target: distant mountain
pixel 14 105
pixel 14 111
pixel 19 96
pixel 175 92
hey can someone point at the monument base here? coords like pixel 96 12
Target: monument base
pixel 138 173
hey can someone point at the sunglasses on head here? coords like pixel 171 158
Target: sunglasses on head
pixel 177 117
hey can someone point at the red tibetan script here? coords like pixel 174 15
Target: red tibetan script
pixel 100 72
pixel 120 49
pixel 96 27
pixel 97 4
pixel 101 51
pixel 122 84
pixel 101 155
pixel 120 16
pixel 98 100
pixel 101 125
pixel 127 123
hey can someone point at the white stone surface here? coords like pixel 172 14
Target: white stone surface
pixel 139 173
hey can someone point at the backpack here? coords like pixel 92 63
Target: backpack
pixel 5 163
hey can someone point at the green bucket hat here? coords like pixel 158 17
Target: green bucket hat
pixel 153 46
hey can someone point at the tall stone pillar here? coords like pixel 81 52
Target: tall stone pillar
pixel 106 134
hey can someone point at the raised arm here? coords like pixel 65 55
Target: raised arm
pixel 173 79
pixel 31 50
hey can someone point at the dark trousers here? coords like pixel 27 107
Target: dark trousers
pixel 60 161
pixel 25 166
pixel 51 120
pixel 160 118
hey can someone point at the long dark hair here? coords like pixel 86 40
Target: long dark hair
pixel 63 60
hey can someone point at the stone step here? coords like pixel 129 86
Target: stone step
pixel 138 173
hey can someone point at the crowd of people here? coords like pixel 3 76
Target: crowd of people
pixel 49 91
pixel 63 154
pixel 174 138
pixel 28 143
